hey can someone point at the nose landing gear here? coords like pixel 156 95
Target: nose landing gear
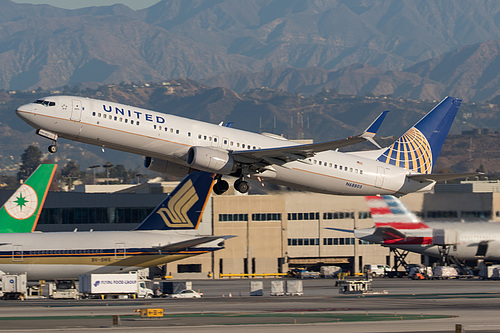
pixel 49 135
pixel 52 148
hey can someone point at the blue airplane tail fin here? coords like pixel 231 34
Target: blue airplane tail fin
pixel 183 208
pixel 419 147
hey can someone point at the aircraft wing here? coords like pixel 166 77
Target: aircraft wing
pixel 441 176
pixel 188 243
pixel 282 155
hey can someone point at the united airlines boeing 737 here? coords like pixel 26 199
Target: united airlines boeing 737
pixel 176 145
pixel 164 236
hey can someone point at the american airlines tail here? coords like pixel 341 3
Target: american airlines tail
pixel 394 223
pixel 21 211
pixel 183 208
pixel 419 148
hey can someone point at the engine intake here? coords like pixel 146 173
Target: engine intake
pixel 210 160
pixel 166 167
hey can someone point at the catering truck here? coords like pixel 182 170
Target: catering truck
pixel 113 286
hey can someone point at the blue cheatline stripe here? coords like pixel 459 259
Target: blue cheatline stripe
pixel 102 253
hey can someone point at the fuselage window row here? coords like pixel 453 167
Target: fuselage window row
pixel 104 116
pixel 336 166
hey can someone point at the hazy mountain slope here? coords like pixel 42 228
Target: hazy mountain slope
pixel 48 47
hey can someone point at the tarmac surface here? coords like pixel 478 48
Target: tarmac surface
pixel 409 306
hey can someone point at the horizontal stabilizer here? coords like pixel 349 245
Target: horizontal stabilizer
pixel 341 230
pixel 442 176
pixel 190 243
pixel 389 233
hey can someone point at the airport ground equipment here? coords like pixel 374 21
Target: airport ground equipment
pixel 277 288
pixel 65 290
pixel 172 287
pixel 294 288
pixel 330 271
pixel 256 288
pixel 14 286
pixel 113 286
pixel 490 272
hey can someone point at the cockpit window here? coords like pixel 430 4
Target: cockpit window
pixel 44 102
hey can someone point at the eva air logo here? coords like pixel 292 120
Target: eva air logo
pixel 23 203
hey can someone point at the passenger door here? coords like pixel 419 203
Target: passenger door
pixel 76 112
pixel 17 253
pixel 120 251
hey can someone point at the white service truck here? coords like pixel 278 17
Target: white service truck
pixel 113 286
pixel 14 286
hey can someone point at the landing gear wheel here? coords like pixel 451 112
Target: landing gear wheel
pixel 52 149
pixel 241 186
pixel 221 187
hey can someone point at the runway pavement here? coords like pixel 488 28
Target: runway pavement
pixel 436 306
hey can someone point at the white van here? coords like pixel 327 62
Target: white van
pixel 377 270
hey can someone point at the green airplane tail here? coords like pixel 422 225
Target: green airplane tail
pixel 21 211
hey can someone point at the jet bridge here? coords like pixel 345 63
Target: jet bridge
pixel 444 239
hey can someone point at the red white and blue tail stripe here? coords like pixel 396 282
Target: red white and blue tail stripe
pixel 394 223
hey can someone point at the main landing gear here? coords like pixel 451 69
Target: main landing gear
pixel 221 186
pixel 241 185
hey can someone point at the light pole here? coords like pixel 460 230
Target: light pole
pixel 93 167
pixel 107 166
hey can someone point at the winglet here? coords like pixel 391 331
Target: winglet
pixel 22 210
pixel 373 128
pixel 183 208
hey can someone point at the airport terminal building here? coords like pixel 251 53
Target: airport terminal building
pixel 274 232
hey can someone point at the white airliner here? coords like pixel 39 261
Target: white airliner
pixel 396 226
pixel 166 235
pixel 176 145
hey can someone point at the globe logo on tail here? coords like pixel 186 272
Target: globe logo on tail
pixel 411 151
pixel 23 203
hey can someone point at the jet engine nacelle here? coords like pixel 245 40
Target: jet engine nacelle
pixel 210 160
pixel 166 167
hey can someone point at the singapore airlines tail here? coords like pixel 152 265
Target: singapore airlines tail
pixel 183 208
pixel 21 211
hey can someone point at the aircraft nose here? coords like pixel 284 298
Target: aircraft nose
pixel 20 111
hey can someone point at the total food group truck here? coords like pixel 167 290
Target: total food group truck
pixel 113 286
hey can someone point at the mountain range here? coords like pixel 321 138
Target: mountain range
pixel 420 49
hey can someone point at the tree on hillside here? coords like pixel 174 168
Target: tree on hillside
pixel 71 169
pixel 30 160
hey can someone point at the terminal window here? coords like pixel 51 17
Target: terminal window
pixel 233 217
pixel 189 268
pixel 338 215
pixel 303 216
pixel 266 217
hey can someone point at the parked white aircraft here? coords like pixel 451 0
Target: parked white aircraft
pixel 176 145
pixel 397 227
pixel 166 235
